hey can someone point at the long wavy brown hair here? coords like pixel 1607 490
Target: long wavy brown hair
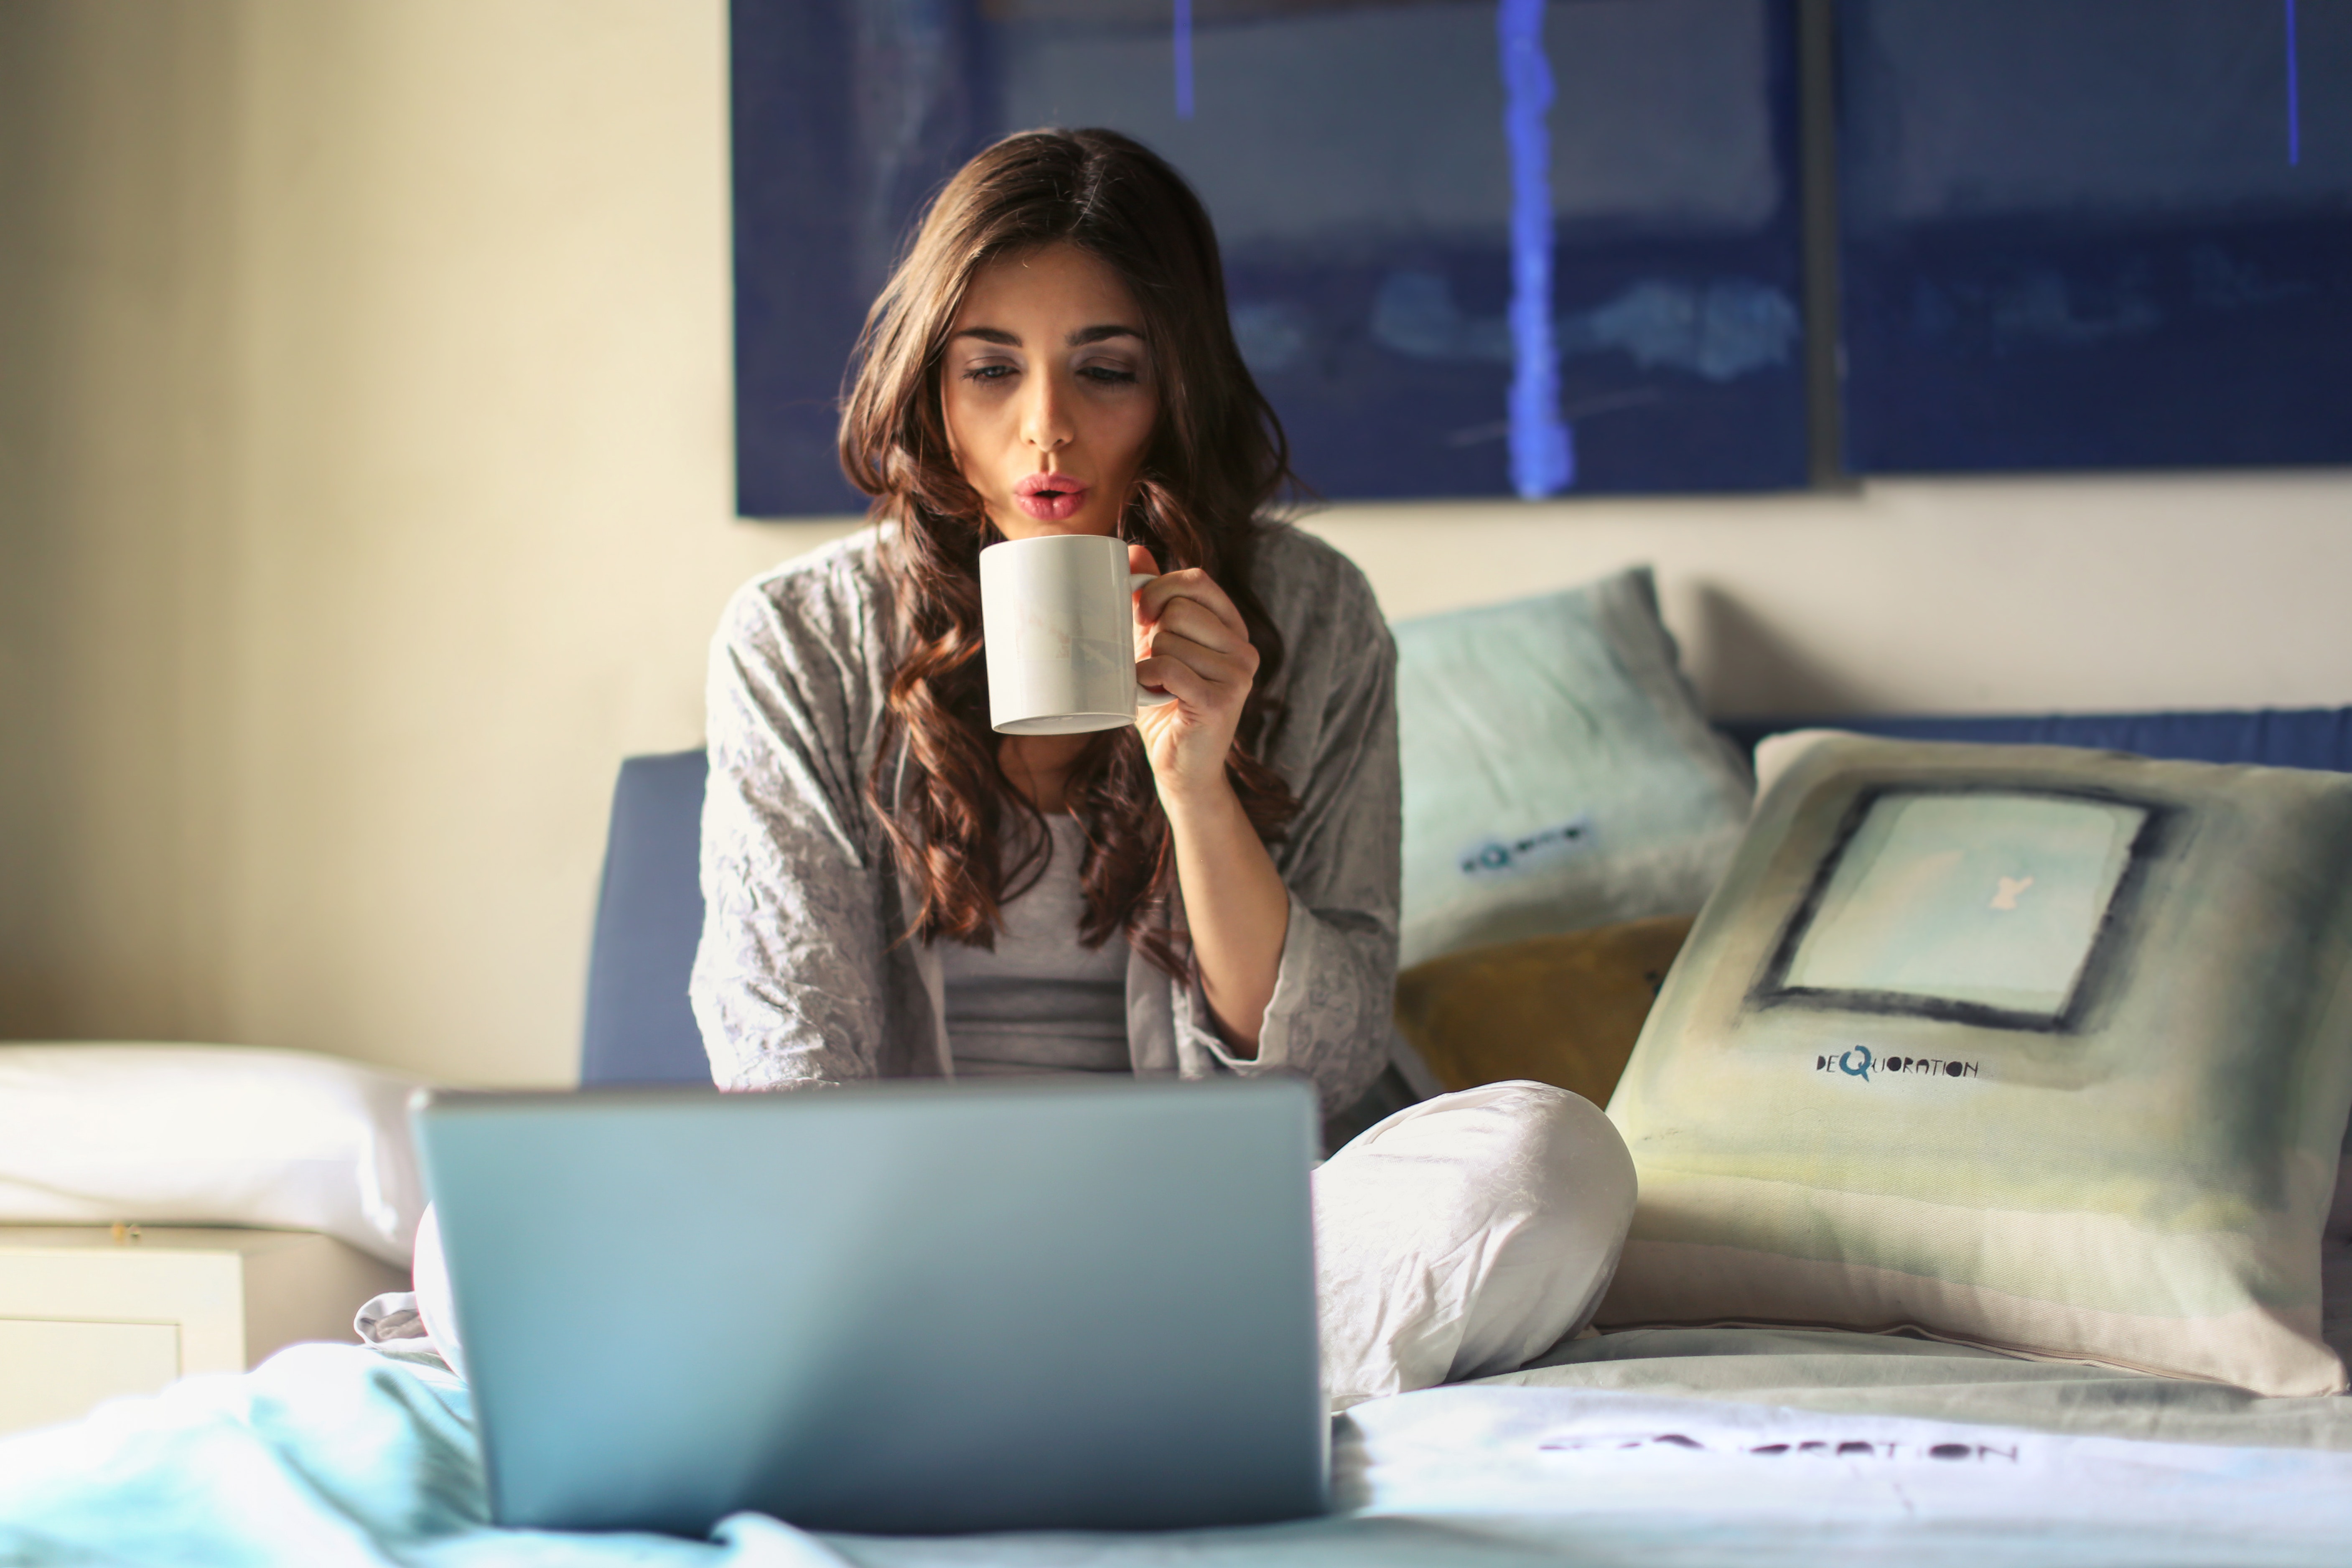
pixel 1216 464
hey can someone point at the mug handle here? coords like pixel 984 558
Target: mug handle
pixel 1144 696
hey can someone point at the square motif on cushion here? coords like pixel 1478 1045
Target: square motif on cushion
pixel 2035 1048
pixel 1982 905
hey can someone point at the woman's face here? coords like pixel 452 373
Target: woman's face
pixel 1047 389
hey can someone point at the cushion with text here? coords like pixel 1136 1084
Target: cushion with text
pixel 2039 1048
pixel 1558 771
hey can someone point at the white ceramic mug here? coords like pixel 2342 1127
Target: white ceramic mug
pixel 1059 624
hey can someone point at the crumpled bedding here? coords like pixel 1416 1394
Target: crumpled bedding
pixel 325 1456
pixel 1690 1447
pixel 1834 1371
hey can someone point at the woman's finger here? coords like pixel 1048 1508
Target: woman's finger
pixel 1190 618
pixel 1179 681
pixel 1192 585
pixel 1218 667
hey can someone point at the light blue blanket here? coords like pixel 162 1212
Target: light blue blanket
pixel 333 1455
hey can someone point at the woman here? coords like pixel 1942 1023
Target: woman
pixel 1053 357
pixel 893 890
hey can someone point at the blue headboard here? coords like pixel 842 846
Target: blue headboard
pixel 650 912
pixel 648 920
pixel 2275 738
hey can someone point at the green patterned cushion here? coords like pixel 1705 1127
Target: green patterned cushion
pixel 1558 771
pixel 2038 1048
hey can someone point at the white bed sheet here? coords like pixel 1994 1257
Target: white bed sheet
pixel 331 1454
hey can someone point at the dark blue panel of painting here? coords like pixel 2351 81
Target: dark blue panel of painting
pixel 2084 233
pixel 1473 245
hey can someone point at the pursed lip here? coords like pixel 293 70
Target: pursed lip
pixel 1049 497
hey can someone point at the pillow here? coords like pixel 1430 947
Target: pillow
pixel 1561 1010
pixel 1558 773
pixel 2032 1047
pixel 1775 752
pixel 208 1135
pixel 2336 1266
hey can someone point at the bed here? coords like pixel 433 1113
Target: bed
pixel 1691 1448
pixel 1675 1446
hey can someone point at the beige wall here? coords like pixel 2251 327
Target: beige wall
pixel 365 478
pixel 1989 595
pixel 364 482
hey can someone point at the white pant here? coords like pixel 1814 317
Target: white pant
pixel 1461 1236
pixel 1465 1236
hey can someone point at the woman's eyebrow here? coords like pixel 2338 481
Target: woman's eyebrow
pixel 992 335
pixel 1086 335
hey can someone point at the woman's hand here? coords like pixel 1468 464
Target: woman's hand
pixel 1189 642
pixel 1192 644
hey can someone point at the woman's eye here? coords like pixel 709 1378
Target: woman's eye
pixel 1108 375
pixel 987 373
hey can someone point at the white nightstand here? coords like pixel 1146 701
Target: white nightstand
pixel 87 1314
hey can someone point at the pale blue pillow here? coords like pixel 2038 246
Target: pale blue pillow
pixel 1558 771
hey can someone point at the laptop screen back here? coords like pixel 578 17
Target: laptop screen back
pixel 893 1308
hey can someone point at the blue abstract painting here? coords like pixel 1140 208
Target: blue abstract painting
pixel 1474 246
pixel 2087 234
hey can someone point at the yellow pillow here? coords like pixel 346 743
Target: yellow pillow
pixel 1562 1010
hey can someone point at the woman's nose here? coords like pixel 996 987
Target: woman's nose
pixel 1045 421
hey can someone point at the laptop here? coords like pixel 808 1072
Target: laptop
pixel 890 1309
